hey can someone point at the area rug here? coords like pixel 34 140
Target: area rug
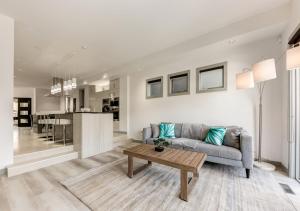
pixel 219 187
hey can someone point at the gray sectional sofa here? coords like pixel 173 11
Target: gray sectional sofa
pixel 235 151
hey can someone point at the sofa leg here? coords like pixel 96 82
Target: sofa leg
pixel 248 173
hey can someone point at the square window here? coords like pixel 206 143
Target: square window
pixel 212 78
pixel 154 87
pixel 179 83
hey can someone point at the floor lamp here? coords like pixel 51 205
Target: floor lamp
pixel 261 72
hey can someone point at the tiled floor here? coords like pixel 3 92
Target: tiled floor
pixel 27 141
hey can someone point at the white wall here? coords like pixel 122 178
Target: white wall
pixel 293 23
pixel 124 88
pixel 44 103
pixel 39 101
pixel 231 107
pixel 26 92
pixel 6 90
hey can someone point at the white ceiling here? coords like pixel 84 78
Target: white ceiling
pixel 49 34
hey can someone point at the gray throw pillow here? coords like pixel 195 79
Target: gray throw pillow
pixel 178 128
pixel 204 132
pixel 232 137
pixel 155 130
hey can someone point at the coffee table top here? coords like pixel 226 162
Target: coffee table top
pixel 177 158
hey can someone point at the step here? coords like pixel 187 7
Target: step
pixel 41 154
pixel 121 140
pixel 31 165
pixel 121 137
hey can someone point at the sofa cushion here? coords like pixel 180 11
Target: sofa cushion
pixel 204 131
pixel 150 140
pixel 184 143
pixel 211 150
pixel 232 137
pixel 155 130
pixel 178 128
pixel 192 131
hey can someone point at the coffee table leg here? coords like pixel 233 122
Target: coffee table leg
pixel 196 174
pixel 130 166
pixel 184 185
pixel 149 163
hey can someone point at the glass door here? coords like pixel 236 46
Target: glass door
pixel 297 125
pixel 294 162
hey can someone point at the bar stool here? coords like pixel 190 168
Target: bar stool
pixel 45 121
pixel 64 123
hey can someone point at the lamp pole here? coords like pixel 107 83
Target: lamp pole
pixel 259 163
pixel 261 91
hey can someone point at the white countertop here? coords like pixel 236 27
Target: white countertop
pixel 49 112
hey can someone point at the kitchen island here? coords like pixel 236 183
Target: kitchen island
pixel 56 125
pixel 92 133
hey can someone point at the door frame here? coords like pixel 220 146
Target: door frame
pixel 29 112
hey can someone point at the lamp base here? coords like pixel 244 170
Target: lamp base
pixel 264 166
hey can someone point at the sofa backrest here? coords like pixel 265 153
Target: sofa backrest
pixel 194 131
pixel 178 130
pixel 199 132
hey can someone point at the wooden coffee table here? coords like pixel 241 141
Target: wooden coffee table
pixel 186 161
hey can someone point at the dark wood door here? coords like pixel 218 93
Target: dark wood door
pixel 24 112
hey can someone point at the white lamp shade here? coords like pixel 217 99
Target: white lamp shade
pixel 264 70
pixel 244 80
pixel 293 58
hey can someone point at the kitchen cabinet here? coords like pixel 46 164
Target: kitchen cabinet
pixel 93 133
pixel 114 84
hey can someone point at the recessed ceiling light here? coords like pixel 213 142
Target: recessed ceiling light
pixel 104 76
pixel 85 82
pixel 84 47
pixel 20 69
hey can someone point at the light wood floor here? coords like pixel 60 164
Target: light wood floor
pixel 27 141
pixel 41 189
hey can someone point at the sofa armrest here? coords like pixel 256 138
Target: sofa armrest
pixel 246 146
pixel 147 133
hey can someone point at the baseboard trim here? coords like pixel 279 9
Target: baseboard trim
pixel 285 169
pixel 136 140
pixel 119 131
pixel 278 164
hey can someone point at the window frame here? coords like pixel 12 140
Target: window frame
pixel 170 76
pixel 211 68
pixel 161 89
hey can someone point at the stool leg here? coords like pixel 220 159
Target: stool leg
pixel 65 134
pixel 53 133
pixel 47 130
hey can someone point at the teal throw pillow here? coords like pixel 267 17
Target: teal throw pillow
pixel 167 130
pixel 215 136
